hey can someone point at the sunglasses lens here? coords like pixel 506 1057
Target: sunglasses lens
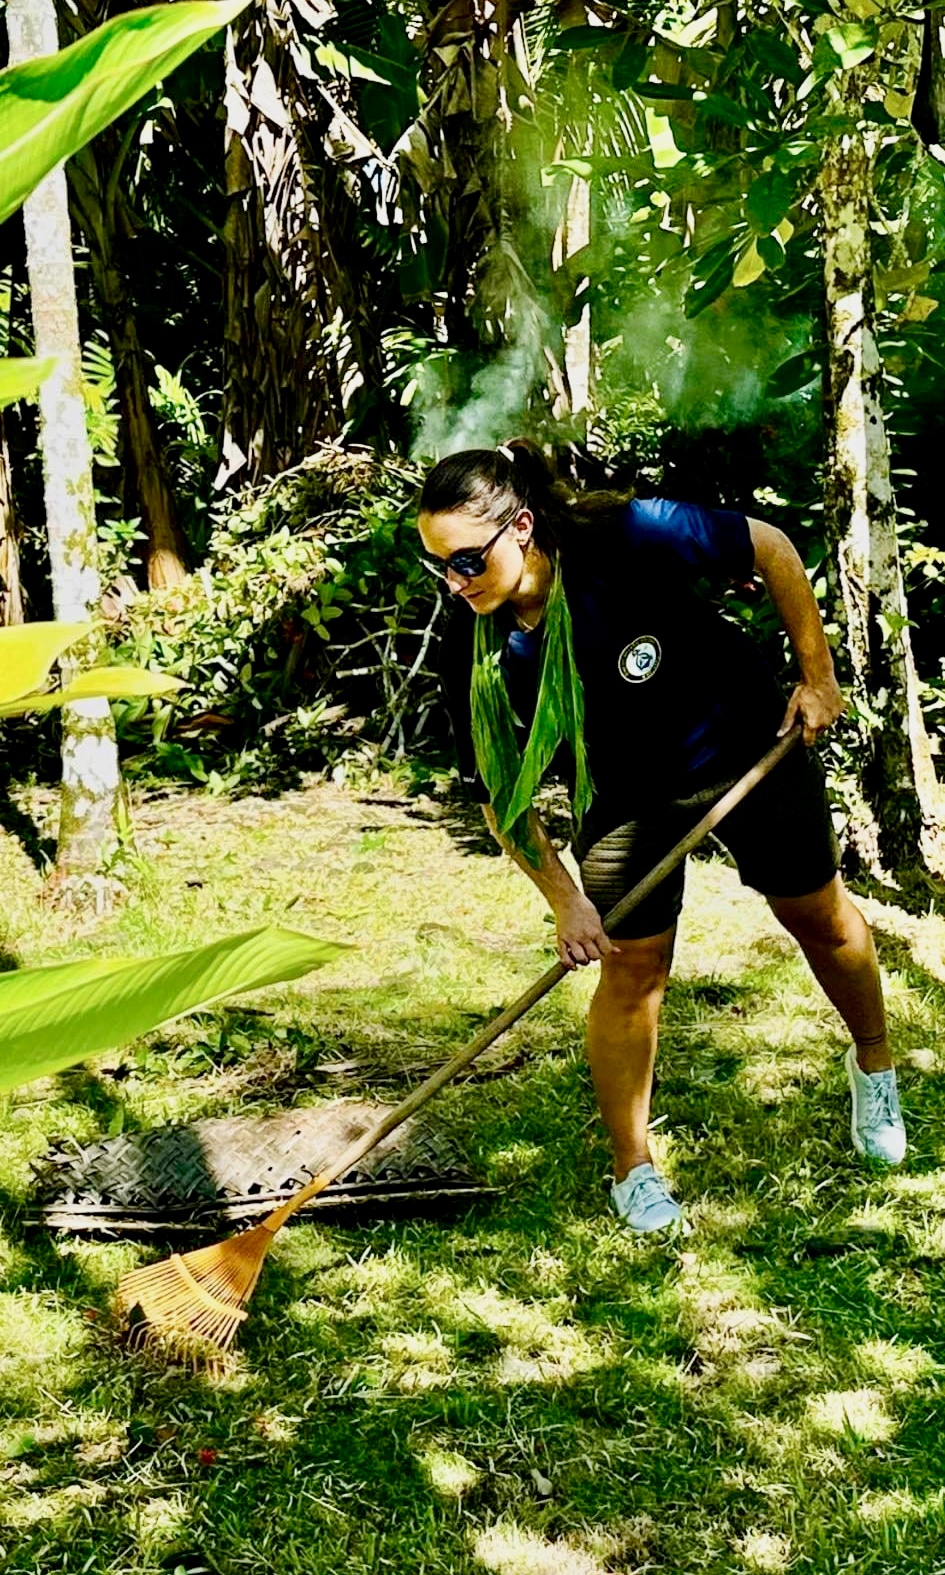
pixel 468 564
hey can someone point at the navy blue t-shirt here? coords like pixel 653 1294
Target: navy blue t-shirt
pixel 676 696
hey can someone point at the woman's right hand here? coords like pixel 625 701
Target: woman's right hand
pixel 581 935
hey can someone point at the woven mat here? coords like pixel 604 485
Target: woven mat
pixel 195 1178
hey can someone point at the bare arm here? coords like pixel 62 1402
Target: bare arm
pixel 581 937
pixel 816 700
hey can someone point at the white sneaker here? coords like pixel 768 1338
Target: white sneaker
pixel 876 1125
pixel 643 1200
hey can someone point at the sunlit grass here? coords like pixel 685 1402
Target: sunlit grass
pixel 526 1387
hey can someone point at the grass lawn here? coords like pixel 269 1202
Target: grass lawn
pixel 524 1389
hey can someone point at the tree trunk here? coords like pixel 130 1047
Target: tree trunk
pixel 11 591
pixel 573 230
pixel 900 807
pixel 928 105
pixel 147 490
pixel 89 804
pixel 302 327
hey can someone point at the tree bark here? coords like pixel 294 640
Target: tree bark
pixel 89 803
pixel 147 490
pixel 928 105
pixel 898 818
pixel 11 591
pixel 302 328
pixel 573 230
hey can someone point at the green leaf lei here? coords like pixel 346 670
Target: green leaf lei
pixel 511 776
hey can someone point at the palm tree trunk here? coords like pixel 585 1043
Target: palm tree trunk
pixel 900 808
pixel 97 204
pixel 302 329
pixel 573 230
pixel 89 804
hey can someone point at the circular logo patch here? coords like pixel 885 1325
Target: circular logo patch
pixel 639 660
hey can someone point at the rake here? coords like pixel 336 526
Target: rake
pixel 195 1302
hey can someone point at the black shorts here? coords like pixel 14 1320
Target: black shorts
pixel 781 837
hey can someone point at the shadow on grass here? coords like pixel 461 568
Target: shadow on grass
pixel 532 1388
pixel 916 893
pixel 462 818
pixel 17 823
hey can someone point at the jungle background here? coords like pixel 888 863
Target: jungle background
pixel 315 257
pixel 696 251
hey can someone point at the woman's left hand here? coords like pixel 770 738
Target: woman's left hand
pixel 817 706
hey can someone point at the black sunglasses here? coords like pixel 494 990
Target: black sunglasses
pixel 468 562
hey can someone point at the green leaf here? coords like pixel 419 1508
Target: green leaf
pixel 583 38
pixel 877 114
pixel 839 49
pixel 350 63
pixel 629 65
pixel 853 42
pixel 592 164
pixel 120 683
pixel 27 651
pixel 659 132
pixel 775 55
pixel 51 107
pixel 707 263
pixel 20 376
pixel 750 266
pixel 718 106
pixel 795 373
pixel 96 683
pixel 662 90
pixel 582 168
pixel 771 250
pixel 52 1017
pixel 662 246
pixel 768 201
pixel 704 291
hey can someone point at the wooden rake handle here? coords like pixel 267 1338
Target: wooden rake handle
pixel 488 1035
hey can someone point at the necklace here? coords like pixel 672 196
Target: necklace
pixel 526 626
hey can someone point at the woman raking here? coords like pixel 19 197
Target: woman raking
pixel 584 638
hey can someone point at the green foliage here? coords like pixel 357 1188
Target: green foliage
pixel 297 636
pixel 189 449
pixel 20 376
pixel 49 108
pixel 101 406
pixel 53 1017
pixel 27 652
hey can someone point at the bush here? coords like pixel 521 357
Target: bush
pixel 307 631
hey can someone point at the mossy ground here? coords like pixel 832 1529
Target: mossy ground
pixel 524 1388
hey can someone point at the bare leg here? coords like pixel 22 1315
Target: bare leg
pixel 621 1042
pixel 837 942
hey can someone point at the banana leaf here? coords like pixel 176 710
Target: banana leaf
pixel 51 107
pixel 28 650
pixel 20 376
pixel 96 683
pixel 52 1017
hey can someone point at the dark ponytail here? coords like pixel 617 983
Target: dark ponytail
pixel 490 483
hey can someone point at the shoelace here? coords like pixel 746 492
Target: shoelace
pixel 883 1107
pixel 649 1189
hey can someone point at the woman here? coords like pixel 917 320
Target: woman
pixel 581 618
